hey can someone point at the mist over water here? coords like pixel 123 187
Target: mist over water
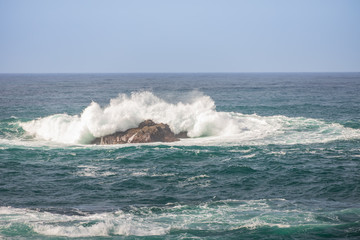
pixel 269 156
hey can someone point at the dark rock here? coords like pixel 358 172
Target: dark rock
pixel 182 135
pixel 146 132
pixel 146 123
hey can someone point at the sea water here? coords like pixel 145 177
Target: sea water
pixel 270 156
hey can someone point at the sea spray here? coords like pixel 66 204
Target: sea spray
pixel 198 117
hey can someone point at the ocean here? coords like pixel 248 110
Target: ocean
pixel 270 156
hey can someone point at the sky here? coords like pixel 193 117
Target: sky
pixel 125 36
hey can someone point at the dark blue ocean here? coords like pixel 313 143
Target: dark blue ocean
pixel 270 156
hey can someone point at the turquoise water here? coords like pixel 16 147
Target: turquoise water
pixel 271 156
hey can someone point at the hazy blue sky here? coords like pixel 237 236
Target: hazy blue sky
pixel 179 36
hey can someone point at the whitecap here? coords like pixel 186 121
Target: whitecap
pixel 198 116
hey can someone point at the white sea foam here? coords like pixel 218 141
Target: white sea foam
pixel 257 223
pixel 197 116
pixel 277 153
pixel 143 221
pixel 92 171
pixel 248 156
pixel 197 177
pixel 139 174
pixel 163 175
pixel 104 224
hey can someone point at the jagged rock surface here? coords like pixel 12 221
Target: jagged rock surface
pixel 146 132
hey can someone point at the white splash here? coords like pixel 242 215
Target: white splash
pixel 197 116
pixel 143 221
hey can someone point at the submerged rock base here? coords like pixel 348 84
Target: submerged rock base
pixel 146 132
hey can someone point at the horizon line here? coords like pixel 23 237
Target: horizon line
pixel 175 72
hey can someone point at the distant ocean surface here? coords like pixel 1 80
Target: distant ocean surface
pixel 270 156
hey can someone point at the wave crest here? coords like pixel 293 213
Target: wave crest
pixel 197 116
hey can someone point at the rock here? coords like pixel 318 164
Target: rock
pixel 146 132
pixel 146 123
pixel 182 135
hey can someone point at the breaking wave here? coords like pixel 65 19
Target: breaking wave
pixel 197 116
pixel 226 215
